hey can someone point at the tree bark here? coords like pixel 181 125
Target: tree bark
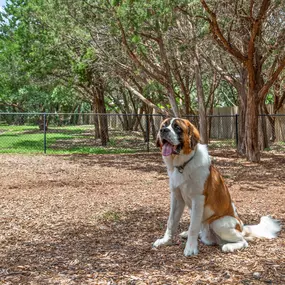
pixel 96 119
pixel 249 58
pixel 103 119
pixel 143 99
pixel 263 138
pixel 251 128
pixel 210 102
pixel 201 102
pixel 242 92
pixel 278 103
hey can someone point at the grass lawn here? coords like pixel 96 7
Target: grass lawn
pixel 59 140
pixel 79 140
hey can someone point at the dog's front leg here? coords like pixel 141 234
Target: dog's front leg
pixel 176 209
pixel 191 247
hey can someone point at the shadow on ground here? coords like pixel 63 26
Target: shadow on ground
pixel 145 162
pixel 110 250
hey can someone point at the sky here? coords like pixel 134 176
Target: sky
pixel 2 2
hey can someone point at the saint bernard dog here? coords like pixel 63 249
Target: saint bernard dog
pixel 196 183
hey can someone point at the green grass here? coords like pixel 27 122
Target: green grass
pixel 15 129
pixel 222 144
pixel 60 140
pixel 91 150
pixel 111 216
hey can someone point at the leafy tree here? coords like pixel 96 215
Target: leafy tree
pixel 254 37
pixel 169 57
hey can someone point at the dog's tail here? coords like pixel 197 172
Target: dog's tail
pixel 267 228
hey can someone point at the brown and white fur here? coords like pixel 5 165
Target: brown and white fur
pixel 201 187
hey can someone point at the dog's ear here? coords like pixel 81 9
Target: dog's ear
pixel 194 136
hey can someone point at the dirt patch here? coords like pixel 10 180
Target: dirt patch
pixel 92 220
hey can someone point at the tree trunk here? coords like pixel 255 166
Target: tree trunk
pixel 152 125
pixel 172 101
pixel 144 100
pixel 125 122
pixel 103 119
pixel 210 103
pixel 211 111
pixel 263 138
pixel 187 104
pixel 96 119
pixel 139 123
pixel 201 102
pixel 127 118
pixel 241 148
pixel 279 98
pixel 271 120
pixel 251 128
pixel 41 123
pixel 273 129
pixel 104 129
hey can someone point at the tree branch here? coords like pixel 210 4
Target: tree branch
pixel 219 37
pixel 142 98
pixel 274 76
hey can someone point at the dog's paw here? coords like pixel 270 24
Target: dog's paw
pixel 162 242
pixel 184 235
pixel 231 247
pixel 191 250
pixel 227 248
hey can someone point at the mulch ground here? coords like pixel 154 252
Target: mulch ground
pixel 92 220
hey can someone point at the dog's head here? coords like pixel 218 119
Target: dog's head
pixel 177 136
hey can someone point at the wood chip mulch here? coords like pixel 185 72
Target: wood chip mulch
pixel 88 219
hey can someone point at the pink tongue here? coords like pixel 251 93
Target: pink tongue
pixel 167 149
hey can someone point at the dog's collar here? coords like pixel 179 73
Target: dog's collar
pixel 181 167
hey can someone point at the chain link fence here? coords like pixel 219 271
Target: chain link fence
pixel 112 133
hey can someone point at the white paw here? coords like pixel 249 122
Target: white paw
pixel 191 250
pixel 231 247
pixel 184 235
pixel 227 248
pixel 162 241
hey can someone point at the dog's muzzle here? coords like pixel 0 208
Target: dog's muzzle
pixel 168 147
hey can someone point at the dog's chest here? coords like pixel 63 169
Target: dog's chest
pixel 184 181
pixel 190 181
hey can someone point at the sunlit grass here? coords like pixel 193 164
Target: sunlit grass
pixel 59 140
pixel 220 144
pixel 15 129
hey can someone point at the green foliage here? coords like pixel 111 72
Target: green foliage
pixel 269 98
pixel 35 62
pixel 55 55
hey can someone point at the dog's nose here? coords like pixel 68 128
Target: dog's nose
pixel 164 130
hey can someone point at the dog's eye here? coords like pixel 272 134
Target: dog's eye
pixel 177 127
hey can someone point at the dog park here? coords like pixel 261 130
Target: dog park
pixel 117 117
pixel 71 217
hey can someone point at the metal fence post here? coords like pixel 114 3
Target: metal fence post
pixel 45 134
pixel 236 129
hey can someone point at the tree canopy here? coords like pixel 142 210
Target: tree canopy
pixel 170 57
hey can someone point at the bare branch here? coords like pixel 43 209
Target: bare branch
pixel 264 90
pixel 142 98
pixel 219 37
